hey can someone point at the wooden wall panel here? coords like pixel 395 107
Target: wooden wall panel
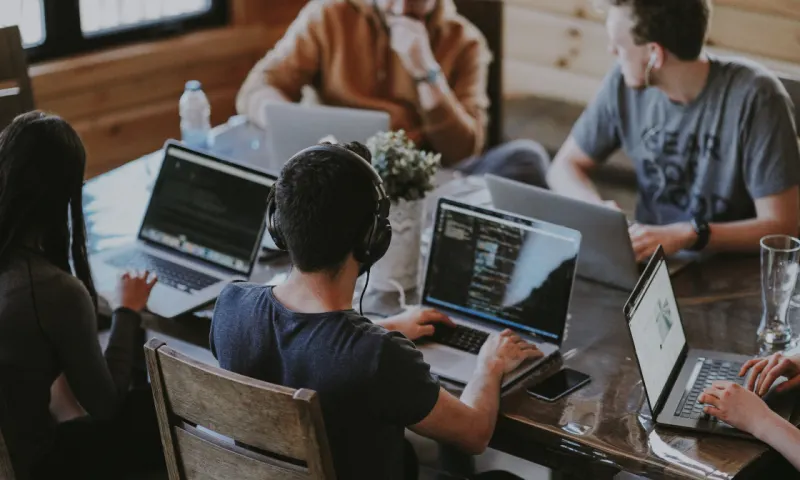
pixel 114 139
pixel 124 101
pixel 784 8
pixel 565 42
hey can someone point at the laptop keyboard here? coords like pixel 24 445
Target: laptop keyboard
pixel 711 371
pixel 169 273
pixel 461 338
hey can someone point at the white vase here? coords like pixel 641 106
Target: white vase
pixel 401 263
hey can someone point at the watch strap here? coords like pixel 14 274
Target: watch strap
pixel 430 76
pixel 703 231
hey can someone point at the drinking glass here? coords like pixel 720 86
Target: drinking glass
pixel 779 269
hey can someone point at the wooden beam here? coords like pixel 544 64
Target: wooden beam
pixel 60 76
pixel 249 12
pixel 132 92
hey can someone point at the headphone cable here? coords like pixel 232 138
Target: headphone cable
pixel 363 291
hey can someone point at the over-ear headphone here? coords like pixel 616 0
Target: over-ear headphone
pixel 378 236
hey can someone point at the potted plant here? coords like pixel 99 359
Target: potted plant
pixel 408 175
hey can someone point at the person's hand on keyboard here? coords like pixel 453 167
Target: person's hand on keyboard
pixel 735 405
pixel 503 352
pixel 417 322
pixel 763 372
pixel 134 289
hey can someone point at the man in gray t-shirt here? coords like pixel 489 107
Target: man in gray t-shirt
pixel 712 139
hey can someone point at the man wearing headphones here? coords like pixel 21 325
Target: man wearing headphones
pixel 330 211
pixel 713 139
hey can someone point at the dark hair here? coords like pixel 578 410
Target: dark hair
pixel 42 162
pixel 324 203
pixel 680 26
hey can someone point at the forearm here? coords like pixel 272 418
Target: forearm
pixel 452 131
pixel 123 341
pixel 782 436
pixel 252 99
pixel 572 181
pixel 745 235
pixel 482 394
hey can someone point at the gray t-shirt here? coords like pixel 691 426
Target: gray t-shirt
pixel 734 143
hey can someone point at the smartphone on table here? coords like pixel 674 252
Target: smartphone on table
pixel 561 383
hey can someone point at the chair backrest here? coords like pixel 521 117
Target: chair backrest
pixel 487 16
pixel 6 469
pixel 16 96
pixel 219 425
pixel 792 86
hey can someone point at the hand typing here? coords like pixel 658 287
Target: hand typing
pixel 503 352
pixel 409 40
pixel 735 405
pixel 765 371
pixel 416 322
pixel 673 238
pixel 134 289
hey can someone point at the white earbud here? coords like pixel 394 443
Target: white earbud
pixel 647 71
pixel 653 60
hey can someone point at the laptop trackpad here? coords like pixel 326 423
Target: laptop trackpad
pixel 448 362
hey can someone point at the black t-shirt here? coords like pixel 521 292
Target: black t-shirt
pixel 372 383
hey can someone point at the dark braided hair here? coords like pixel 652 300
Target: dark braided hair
pixel 42 163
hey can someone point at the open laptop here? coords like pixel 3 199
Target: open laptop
pixel 202 229
pixel 673 374
pixel 489 271
pixel 606 253
pixel 293 127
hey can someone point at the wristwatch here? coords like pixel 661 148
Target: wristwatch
pixel 703 231
pixel 430 76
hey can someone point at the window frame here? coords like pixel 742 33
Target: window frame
pixel 64 37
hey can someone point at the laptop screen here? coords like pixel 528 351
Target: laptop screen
pixel 502 268
pixel 207 209
pixel 656 331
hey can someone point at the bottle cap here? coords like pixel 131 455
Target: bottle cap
pixel 193 85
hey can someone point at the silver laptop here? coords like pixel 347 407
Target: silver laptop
pixel 293 127
pixel 673 374
pixel 202 229
pixel 606 253
pixel 489 271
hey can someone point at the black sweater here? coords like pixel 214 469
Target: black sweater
pixel 48 326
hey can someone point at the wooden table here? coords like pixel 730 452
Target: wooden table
pixel 596 432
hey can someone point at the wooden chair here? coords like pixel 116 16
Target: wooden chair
pixel 16 95
pixel 219 425
pixel 487 16
pixel 6 470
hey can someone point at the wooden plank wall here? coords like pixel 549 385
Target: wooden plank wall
pixel 558 48
pixel 124 101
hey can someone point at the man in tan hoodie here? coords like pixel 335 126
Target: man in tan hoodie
pixel 418 60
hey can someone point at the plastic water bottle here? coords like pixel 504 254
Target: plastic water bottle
pixel 195 114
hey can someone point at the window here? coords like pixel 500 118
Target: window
pixel 54 28
pixel 29 15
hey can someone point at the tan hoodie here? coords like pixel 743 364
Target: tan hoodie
pixel 341 49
